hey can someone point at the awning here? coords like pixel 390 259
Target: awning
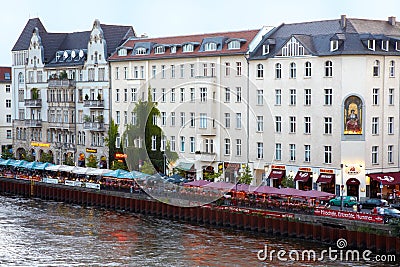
pixel 276 174
pixel 325 178
pixel 389 178
pixel 184 166
pixel 302 176
pixel 353 181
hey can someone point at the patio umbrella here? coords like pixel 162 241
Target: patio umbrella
pixel 53 168
pixel 266 190
pixel 30 165
pixel 19 163
pixel 197 183
pixel 220 185
pixel 42 165
pixel 97 172
pixel 7 162
pixel 118 174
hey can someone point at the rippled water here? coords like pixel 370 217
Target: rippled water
pixel 42 233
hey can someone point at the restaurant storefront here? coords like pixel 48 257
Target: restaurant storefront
pixel 304 179
pixel 276 175
pixel 384 184
pixel 327 180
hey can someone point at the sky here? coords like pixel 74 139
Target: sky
pixel 158 18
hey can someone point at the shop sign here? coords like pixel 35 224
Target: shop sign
pixel 355 216
pixel 120 156
pixel 326 171
pixel 278 167
pixel 304 169
pixel 40 144
pixel 91 150
pixel 353 170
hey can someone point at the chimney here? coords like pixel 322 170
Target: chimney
pixel 343 21
pixel 144 35
pixel 392 20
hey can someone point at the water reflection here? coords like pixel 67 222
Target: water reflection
pixel 39 233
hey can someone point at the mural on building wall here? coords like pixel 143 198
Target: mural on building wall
pixel 353 115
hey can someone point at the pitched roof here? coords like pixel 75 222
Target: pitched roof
pixel 53 42
pixel 5 74
pixel 221 38
pixel 316 36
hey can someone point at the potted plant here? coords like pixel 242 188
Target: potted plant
pixel 100 119
pixel 86 118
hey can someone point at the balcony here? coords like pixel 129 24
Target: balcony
pixel 62 83
pixel 94 126
pixel 33 123
pixel 93 103
pixel 66 104
pixel 61 125
pixel 33 103
pixel 209 131
pixel 206 157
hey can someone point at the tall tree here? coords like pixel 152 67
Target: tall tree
pixel 246 176
pixel 111 140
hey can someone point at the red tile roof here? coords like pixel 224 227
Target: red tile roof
pixel 247 35
pixel 3 71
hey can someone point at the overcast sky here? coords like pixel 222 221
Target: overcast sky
pixel 178 17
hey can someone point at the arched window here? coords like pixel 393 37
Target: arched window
pixel 376 68
pixel 210 47
pixel 292 73
pixel 392 68
pixel 278 71
pixel 353 115
pixel 20 78
pixel 307 69
pixel 187 48
pixel 328 68
pixel 234 44
pixel 260 71
pixel 140 51
pixel 159 49
pixel 83 138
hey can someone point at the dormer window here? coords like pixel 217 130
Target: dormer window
pixel 187 48
pixel 65 55
pixel 334 45
pixel 371 45
pixel 397 46
pixel 265 49
pixel 159 49
pixel 122 52
pixel 210 47
pixel 293 48
pixel 234 44
pixel 385 45
pixel 57 56
pixel 173 49
pixel 141 51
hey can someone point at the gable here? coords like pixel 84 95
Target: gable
pixel 293 47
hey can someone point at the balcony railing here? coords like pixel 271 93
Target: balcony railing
pixel 93 103
pixel 33 123
pixel 62 83
pixel 33 103
pixel 207 157
pixel 94 126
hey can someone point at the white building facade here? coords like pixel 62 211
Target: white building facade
pixel 6 110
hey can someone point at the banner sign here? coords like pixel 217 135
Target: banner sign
pixel 50 180
pixel 355 216
pixel 93 186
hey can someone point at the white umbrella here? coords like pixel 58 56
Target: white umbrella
pixel 98 172
pixel 53 168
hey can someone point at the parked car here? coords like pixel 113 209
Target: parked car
pixel 374 202
pixel 391 215
pixel 348 201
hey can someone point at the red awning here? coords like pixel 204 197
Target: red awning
pixel 389 178
pixel 302 176
pixel 353 181
pixel 325 178
pixel 276 174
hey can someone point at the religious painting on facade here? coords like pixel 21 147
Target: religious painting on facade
pixel 352 115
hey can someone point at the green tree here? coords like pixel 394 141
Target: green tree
pixel 211 176
pixel 69 161
pixel 148 168
pixel 6 154
pixel 245 177
pixel 92 161
pixel 288 182
pixel 29 157
pixel 111 140
pixel 118 165
pixel 46 157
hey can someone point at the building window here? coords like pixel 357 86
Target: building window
pixel 182 95
pixel 292 73
pixel 375 125
pixel 391 96
pixel 371 45
pixel 260 71
pixel 141 51
pixel 227 146
pixel 307 153
pixel 134 118
pixel 260 123
pixel 238 68
pixel 292 124
pixel 390 154
pixel 278 71
pixel 390 125
pixel 173 118
pixel 374 155
pixel 125 117
pixel 163 118
pixel 227 95
pixel 328 97
pixel 209 144
pixel 260 97
pixel 192 95
pixel 203 94
pixel 192 144
pixel 182 143
pixel 292 48
pixel 159 49
pixel 235 44
pixel 238 147
pixel 292 152
pixel 278 97
pixel 172 95
pixel 328 68
pixel 173 143
pixel 192 70
pixel 183 119
pixel 278 151
pixel 292 97
pixel 227 120
pixel 278 124
pixel 172 71
pixel 307 69
pixel 265 50
pixel 9 134
pixel 192 119
pixel 238 120
pixel 203 120
pixel 260 150
pixel 334 45
pixel 153 71
pixel 328 125
pixel 212 66
pixel 375 96
pixel 187 48
pixel 133 94
pixel 163 71
pixel 153 95
pixel 182 70
pixel 307 125
pixel 117 73
pixel 376 68
pixel 8 118
pixel 392 68
pixel 118 119
pixel 238 94
pixel 8 103
pixel 8 88
pixel 307 97
pixel 227 68
pixel 327 154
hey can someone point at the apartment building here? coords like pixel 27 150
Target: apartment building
pixel 6 118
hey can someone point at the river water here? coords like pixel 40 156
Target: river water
pixel 34 232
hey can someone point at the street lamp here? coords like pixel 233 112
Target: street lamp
pixel 165 162
pixel 341 187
